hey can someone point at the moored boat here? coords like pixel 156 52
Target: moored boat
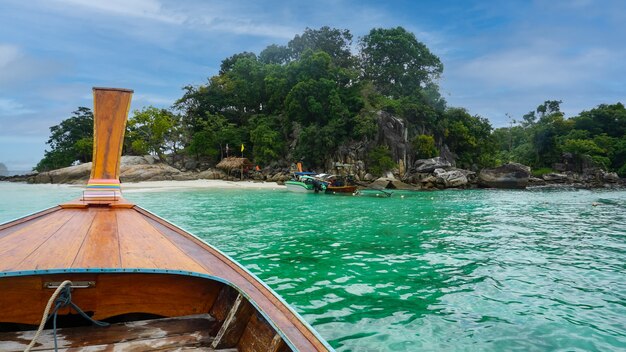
pixel 304 182
pixel 155 285
pixel 341 189
pixel 340 184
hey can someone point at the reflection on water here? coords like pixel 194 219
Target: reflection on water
pixel 450 270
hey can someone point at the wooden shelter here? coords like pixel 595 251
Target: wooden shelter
pixel 231 163
pixel 234 163
pixel 158 286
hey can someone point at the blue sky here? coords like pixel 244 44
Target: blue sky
pixel 500 57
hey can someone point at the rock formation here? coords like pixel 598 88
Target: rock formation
pixel 511 176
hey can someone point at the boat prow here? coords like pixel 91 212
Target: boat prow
pixel 158 286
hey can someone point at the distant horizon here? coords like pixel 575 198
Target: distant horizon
pixel 500 59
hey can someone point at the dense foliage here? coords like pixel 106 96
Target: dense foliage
pixel 69 141
pixel 313 97
pixel 544 137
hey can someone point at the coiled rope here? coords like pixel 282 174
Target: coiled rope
pixel 62 297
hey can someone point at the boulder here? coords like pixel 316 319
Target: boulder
pixel 535 181
pixel 71 174
pixel 390 183
pixel 392 131
pixel 132 169
pixel 148 172
pixel 509 176
pixel 452 178
pixel 128 160
pixel 555 177
pixel 610 177
pixel 429 165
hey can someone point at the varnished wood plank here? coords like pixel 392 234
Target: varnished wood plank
pixel 142 246
pixel 161 294
pixel 145 335
pixel 100 248
pixel 82 204
pixel 23 299
pixel 15 247
pixel 60 250
pixel 12 224
pixel 234 325
pixel 110 113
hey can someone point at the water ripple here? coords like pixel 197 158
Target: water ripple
pixel 459 271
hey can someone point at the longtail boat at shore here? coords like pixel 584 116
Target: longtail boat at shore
pixel 156 286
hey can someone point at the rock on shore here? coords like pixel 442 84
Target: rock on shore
pixel 510 176
pixel 132 169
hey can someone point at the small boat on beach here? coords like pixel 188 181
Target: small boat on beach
pixel 101 260
pixel 304 182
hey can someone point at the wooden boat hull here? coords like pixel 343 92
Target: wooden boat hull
pixel 125 264
pixel 341 189
pixel 151 269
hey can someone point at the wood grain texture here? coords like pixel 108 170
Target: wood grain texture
pixel 60 250
pixel 18 245
pixel 220 309
pixel 110 113
pixel 100 247
pixel 143 246
pixel 259 336
pixel 23 299
pixel 120 238
pixel 234 325
pixel 148 335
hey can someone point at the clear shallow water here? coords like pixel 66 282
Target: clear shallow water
pixel 433 271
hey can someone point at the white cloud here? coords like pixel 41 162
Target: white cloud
pixel 8 54
pixel 146 9
pixel 151 99
pixel 529 67
pixel 16 67
pixel 11 107
pixel 248 27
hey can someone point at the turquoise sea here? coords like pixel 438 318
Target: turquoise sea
pixel 480 270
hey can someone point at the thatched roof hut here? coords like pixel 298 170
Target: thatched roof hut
pixel 233 163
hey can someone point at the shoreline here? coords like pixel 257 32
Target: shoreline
pixel 145 186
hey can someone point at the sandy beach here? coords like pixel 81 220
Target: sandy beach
pixel 199 184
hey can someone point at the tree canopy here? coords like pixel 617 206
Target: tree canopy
pixel 318 94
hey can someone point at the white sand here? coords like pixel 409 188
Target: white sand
pixel 215 184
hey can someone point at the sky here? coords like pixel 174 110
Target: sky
pixel 501 58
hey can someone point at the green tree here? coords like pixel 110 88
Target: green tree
pixel 334 42
pixel 470 138
pixel 267 143
pixel 152 130
pixel 380 160
pixel 424 146
pixel 275 54
pixel 397 63
pixel 69 141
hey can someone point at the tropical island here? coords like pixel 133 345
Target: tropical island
pixel 372 112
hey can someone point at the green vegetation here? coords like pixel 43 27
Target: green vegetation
pixel 595 138
pixel 69 141
pixel 379 160
pixel 313 97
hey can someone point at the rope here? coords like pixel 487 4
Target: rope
pixel 62 297
pixel 44 318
